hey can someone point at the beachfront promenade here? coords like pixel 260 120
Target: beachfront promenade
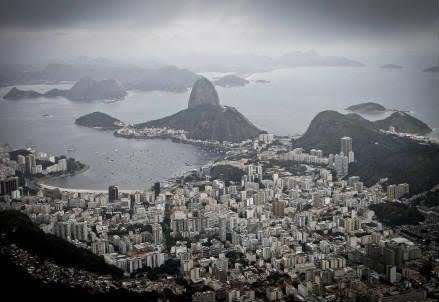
pixel 44 186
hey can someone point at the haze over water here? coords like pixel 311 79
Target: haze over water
pixel 285 106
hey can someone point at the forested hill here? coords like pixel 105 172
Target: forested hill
pixel 377 155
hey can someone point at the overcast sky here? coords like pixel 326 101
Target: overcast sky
pixel 366 30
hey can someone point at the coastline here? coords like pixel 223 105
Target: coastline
pixel 205 145
pixel 40 183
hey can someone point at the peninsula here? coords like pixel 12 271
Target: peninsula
pixel 205 119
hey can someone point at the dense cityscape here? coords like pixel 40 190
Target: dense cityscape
pixel 265 223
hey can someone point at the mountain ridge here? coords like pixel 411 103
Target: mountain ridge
pixel 405 123
pixel 86 89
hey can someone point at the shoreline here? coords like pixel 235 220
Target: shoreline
pixel 204 145
pixel 41 182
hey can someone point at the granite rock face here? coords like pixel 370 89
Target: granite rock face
pixel 203 93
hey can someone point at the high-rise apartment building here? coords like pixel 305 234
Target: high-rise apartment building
pixel 278 208
pixel 157 234
pixel 397 191
pixel 341 164
pixel 113 193
pixel 156 189
pixel 30 164
pixel 346 145
pixel 254 171
pixel 8 185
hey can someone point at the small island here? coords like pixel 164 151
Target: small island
pixel 18 94
pixel 432 69
pixel 368 108
pixel 86 89
pixel 99 120
pixel 392 66
pixel 230 81
pixel 262 81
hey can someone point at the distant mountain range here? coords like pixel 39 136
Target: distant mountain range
pixel 230 80
pixel 169 78
pixel 432 69
pixel 392 66
pixel 86 89
pixel 369 107
pixel 206 119
pixel 17 94
pixel 165 78
pixel 312 58
pixel 257 63
pixel 378 155
pixel 262 81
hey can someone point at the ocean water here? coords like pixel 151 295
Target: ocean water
pixel 285 106
pixel 293 97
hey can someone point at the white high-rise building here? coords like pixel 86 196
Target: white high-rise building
pixel 254 171
pixel 62 229
pixel 351 157
pixel 341 164
pixel 79 231
pixel 223 228
pixel 267 138
pixel 62 164
pixel 99 246
pixel 346 145
pixel 157 234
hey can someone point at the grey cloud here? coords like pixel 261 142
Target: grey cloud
pixel 47 14
pixel 276 24
pixel 342 15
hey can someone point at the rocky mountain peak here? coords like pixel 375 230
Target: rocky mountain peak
pixel 203 93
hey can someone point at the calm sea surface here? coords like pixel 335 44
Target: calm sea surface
pixel 284 106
